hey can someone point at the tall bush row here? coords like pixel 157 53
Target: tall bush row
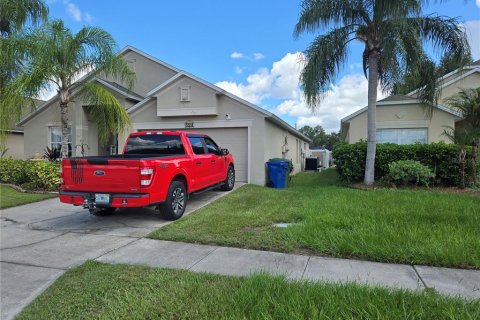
pixel 441 158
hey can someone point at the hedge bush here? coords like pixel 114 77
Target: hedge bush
pixel 409 172
pixel 40 175
pixel 441 158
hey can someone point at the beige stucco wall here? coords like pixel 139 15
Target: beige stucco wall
pixel 14 145
pixel 469 82
pixel 402 116
pixel 203 100
pixel 295 148
pixel 149 74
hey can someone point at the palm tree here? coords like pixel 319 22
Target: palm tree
pixel 61 58
pixel 467 102
pixel 14 16
pixel 392 33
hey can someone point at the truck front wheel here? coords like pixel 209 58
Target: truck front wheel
pixel 176 202
pixel 229 182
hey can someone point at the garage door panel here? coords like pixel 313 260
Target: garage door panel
pixel 236 141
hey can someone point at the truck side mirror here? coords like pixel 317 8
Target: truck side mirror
pixel 224 152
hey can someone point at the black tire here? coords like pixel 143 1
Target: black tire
pixel 229 182
pixel 102 212
pixel 176 202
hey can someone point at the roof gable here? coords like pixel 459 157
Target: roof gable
pixel 397 102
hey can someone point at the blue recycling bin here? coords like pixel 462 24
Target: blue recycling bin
pixel 277 174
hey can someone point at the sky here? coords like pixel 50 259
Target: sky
pixel 245 47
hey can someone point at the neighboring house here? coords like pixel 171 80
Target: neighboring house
pixel 14 142
pixel 402 119
pixel 166 98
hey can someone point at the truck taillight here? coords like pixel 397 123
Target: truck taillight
pixel 146 176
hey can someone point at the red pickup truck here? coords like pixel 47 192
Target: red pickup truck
pixel 157 168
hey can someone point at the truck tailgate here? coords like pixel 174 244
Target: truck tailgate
pixel 111 176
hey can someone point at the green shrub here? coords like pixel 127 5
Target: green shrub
pixel 441 158
pixel 408 172
pixel 13 171
pixel 34 174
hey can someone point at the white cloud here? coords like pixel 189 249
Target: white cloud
pixel 88 17
pixel 238 70
pixel 236 55
pixel 255 57
pixel 478 3
pixel 74 11
pixel 281 81
pixel 472 29
pixel 260 56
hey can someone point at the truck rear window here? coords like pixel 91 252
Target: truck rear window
pixel 155 144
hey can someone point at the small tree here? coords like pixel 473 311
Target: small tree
pixel 61 57
pixel 462 138
pixel 467 102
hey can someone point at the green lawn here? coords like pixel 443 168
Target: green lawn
pixel 10 197
pixel 403 226
pixel 102 291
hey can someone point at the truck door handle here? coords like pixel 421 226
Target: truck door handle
pixel 198 163
pixel 213 161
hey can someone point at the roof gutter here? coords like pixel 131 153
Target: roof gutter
pixel 289 128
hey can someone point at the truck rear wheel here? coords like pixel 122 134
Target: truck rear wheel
pixel 229 182
pixel 102 211
pixel 176 202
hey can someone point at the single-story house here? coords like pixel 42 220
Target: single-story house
pixel 402 119
pixel 166 98
pixel 13 146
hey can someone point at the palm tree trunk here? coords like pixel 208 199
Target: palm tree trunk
pixel 461 159
pixel 475 149
pixel 64 99
pixel 371 117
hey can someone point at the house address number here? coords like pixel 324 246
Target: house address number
pixel 189 124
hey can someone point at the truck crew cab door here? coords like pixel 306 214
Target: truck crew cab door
pixel 200 175
pixel 217 162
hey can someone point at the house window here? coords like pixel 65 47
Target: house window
pixel 56 139
pixel 402 136
pixel 184 93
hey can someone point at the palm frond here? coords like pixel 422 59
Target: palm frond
pixel 318 14
pixel 446 34
pixel 467 102
pixel 14 14
pixel 324 57
pixel 105 110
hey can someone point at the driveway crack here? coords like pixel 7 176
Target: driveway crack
pixel 32 265
pixel 115 249
pixel 419 277
pixel 33 243
pixel 208 254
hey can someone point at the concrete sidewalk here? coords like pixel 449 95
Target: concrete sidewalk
pixel 240 262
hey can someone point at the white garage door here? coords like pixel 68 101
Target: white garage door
pixel 236 141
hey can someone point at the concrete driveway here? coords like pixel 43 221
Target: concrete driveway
pixel 40 241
